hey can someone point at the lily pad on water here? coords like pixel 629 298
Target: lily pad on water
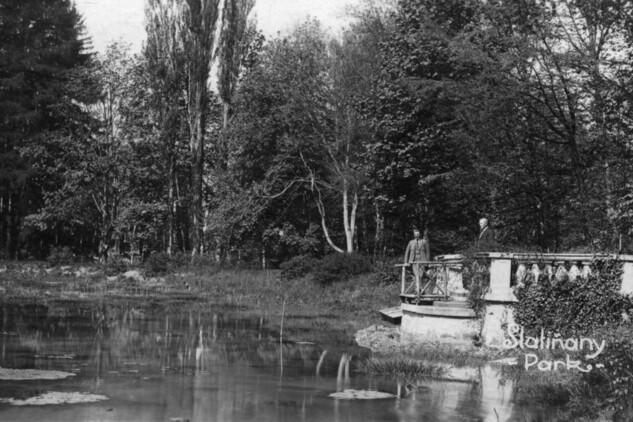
pixel 64 356
pixel 32 374
pixel 350 394
pixel 54 397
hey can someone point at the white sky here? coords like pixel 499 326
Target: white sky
pixel 110 20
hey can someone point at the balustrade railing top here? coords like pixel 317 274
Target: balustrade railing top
pixel 548 257
pixel 501 264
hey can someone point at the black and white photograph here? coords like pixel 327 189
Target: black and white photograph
pixel 316 210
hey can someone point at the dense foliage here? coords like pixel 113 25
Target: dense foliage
pixel 574 307
pixel 590 307
pixel 428 113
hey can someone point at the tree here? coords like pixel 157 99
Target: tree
pixel 92 165
pixel 235 37
pixel 191 26
pixel 415 161
pixel 40 43
pixel 192 32
pixel 565 70
pixel 163 74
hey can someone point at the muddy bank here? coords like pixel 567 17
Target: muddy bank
pixel 386 340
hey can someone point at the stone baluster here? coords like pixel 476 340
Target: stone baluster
pixel 520 275
pixel 574 272
pixel 549 272
pixel 561 273
pixel 536 272
pixel 586 271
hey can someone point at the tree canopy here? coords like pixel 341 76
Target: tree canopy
pixel 427 113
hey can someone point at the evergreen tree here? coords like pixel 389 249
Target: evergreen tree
pixel 40 44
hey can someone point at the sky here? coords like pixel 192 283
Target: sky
pixel 111 20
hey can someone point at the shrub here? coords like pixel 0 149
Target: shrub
pixel 476 278
pixel 386 273
pixel 573 307
pixel 591 308
pixel 618 371
pixel 180 259
pixel 60 256
pixel 115 266
pixel 297 267
pixel 158 263
pixel 340 267
pixel 206 260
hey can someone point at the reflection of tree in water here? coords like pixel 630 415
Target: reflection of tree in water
pixel 221 368
pixel 121 339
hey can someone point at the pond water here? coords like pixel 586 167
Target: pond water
pixel 132 364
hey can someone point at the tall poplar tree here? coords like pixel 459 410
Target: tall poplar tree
pixel 194 28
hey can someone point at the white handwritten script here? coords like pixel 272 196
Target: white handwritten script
pixel 518 339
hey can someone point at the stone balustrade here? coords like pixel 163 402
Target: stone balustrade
pixel 534 267
pixel 507 271
pixel 526 267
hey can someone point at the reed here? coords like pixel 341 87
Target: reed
pixel 402 367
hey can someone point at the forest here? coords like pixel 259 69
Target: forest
pixel 215 141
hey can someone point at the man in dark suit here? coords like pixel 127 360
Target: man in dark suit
pixel 486 237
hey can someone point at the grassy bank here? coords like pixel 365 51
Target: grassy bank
pixel 353 304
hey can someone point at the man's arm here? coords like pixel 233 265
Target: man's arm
pixel 427 248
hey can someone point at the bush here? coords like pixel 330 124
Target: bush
pixel 573 307
pixel 297 267
pixel 618 371
pixel 206 260
pixel 180 259
pixel 158 263
pixel 476 278
pixel 115 267
pixel 60 256
pixel 386 273
pixel 590 308
pixel 340 267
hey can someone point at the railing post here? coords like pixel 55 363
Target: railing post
pixel 499 300
pixel 627 278
pixel 500 279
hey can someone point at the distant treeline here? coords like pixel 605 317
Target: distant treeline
pixel 427 113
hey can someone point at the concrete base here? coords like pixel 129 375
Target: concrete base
pixel 439 323
pixel 497 317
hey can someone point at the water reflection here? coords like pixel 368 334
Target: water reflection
pixel 215 367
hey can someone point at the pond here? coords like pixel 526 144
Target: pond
pixel 69 363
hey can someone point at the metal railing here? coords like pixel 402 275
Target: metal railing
pixel 435 274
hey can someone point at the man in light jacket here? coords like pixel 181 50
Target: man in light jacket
pixel 417 250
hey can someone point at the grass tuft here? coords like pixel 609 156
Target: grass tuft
pixel 403 368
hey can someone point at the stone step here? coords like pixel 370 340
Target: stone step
pixel 461 294
pixel 451 304
pixel 439 311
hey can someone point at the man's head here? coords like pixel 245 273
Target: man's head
pixel 416 233
pixel 483 223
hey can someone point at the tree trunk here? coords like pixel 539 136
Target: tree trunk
pixel 197 91
pixel 9 224
pixel 380 230
pixel 171 204
pixel 349 217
